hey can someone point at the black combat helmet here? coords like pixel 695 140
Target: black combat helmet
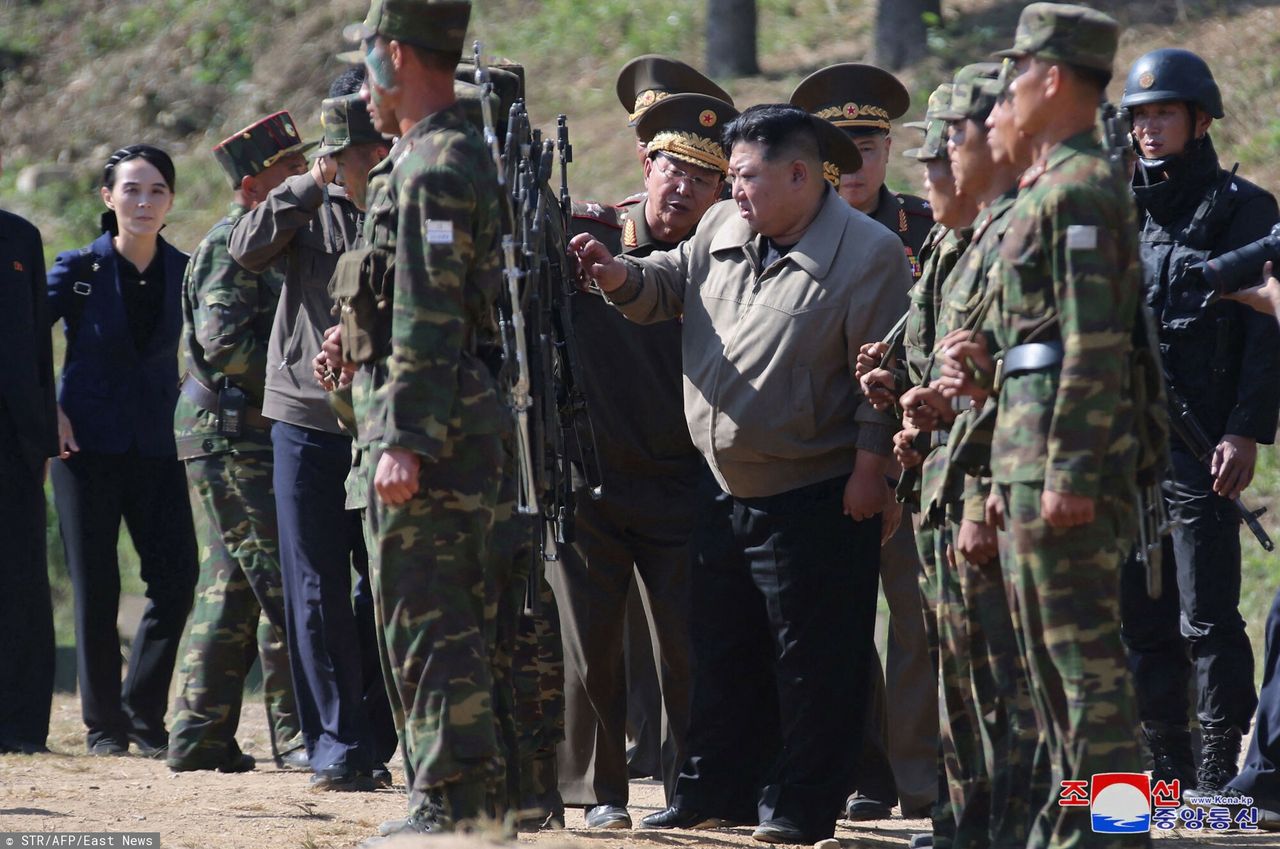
pixel 1171 73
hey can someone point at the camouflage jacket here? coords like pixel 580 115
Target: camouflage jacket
pixel 942 250
pixel 226 324
pixel 961 295
pixel 1068 269
pixel 433 208
pixel 911 219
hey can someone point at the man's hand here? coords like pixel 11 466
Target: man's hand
pixel 1064 510
pixel 967 365
pixel 324 170
pixel 1232 465
pixel 924 408
pixel 66 436
pixel 891 517
pixel 904 449
pixel 396 478
pixel 976 542
pixel 597 262
pixel 865 493
pixel 1264 298
pixel 870 355
pixel 878 388
pixel 994 509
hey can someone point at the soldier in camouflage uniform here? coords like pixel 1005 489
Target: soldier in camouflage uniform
pixel 897 761
pixel 1064 298
pixel 222 436
pixel 427 406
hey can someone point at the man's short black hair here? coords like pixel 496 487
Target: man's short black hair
pixel 779 128
pixel 348 82
pixel 1092 77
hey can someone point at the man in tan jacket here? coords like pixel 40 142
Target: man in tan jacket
pixel 778 288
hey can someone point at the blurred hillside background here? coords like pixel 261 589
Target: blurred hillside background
pixel 79 78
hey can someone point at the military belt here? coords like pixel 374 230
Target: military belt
pixel 1033 356
pixel 207 399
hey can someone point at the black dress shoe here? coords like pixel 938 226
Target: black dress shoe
pixel 294 759
pixel 108 748
pixel 341 778
pixel 236 761
pixel 381 777
pixel 774 831
pixel 921 841
pixel 674 817
pixel 861 808
pixel 608 816
pixel 149 746
pixel 22 747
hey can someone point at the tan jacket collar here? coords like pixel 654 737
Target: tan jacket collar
pixel 816 250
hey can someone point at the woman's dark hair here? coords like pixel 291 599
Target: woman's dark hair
pixel 780 128
pixel 154 155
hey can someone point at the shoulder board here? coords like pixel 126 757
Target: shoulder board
pixel 913 205
pixel 610 216
pixel 632 200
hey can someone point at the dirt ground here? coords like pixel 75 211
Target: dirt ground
pixel 70 792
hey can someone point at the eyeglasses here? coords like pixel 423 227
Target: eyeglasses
pixel 678 175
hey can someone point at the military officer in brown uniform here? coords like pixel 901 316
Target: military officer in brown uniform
pixel 898 761
pixel 655 481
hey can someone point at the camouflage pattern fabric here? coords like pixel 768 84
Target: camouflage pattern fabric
pixel 1067 268
pixel 238 613
pixel 944 823
pixel 1066 33
pixel 226 323
pixel 433 210
pixel 943 249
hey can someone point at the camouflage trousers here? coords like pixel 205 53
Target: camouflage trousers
pixel 432 580
pixel 990 741
pixel 944 823
pixel 238 612
pixel 1064 589
pixel 528 663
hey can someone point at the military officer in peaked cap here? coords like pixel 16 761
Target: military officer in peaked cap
pixel 655 481
pixel 650 79
pixel 863 100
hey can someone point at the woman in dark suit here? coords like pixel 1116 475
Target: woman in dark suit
pixel 120 303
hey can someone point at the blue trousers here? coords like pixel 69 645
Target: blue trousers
pixel 320 543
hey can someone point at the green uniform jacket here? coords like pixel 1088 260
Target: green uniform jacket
pixel 1070 251
pixel 433 207
pixel 226 324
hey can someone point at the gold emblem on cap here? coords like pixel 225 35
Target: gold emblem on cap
pixel 707 118
pixel 1147 80
pixel 646 98
pixel 851 110
pixel 288 128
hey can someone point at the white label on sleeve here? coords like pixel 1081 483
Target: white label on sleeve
pixel 1082 237
pixel 439 232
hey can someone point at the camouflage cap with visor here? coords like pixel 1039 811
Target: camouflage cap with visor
pixel 974 92
pixel 934 146
pixel 429 24
pixel 1076 35
pixel 346 122
pixel 688 127
pixel 259 146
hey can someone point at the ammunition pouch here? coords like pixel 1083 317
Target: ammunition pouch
pixel 362 287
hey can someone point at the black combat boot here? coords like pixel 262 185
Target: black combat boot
pixel 1170 747
pixel 1219 756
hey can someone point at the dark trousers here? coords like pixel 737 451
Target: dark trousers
pixel 320 541
pixel 784 604
pixel 26 614
pixel 1205 549
pixel 641 529
pixel 93 492
pixel 1260 775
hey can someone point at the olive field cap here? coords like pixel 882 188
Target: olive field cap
pixel 934 145
pixel 857 98
pixel 345 121
pixel 974 92
pixel 647 79
pixel 1067 33
pixel 259 146
pixel 429 24
pixel 688 127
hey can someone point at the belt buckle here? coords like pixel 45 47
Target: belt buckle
pixel 81 288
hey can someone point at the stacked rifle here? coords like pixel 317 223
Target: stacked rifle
pixel 540 370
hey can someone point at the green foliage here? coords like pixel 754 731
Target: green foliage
pixel 600 29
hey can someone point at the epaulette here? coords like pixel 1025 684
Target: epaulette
pixel 610 216
pixel 913 205
pixel 632 200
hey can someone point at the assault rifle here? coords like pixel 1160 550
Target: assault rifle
pixel 541 368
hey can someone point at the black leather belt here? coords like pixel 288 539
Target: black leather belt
pixel 207 399
pixel 1033 356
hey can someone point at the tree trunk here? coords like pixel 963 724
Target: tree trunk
pixel 901 32
pixel 731 38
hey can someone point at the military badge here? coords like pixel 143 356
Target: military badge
pixel 851 110
pixel 646 98
pixel 630 238
pixel 17 266
pixel 707 118
pixel 1147 80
